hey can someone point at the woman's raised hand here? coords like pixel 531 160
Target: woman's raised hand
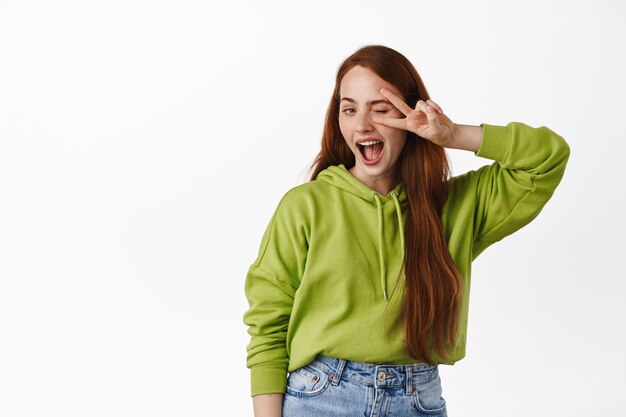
pixel 426 119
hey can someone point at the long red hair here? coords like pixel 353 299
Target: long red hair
pixel 432 284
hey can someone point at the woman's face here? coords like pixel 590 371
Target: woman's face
pixel 360 99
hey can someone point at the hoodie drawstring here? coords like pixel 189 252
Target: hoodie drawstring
pixel 381 256
pixel 381 248
pixel 394 194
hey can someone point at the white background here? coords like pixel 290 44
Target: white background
pixel 145 145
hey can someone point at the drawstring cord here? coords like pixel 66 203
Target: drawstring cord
pixel 381 257
pixel 394 194
pixel 381 248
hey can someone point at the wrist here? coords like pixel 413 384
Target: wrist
pixel 453 138
pixel 466 137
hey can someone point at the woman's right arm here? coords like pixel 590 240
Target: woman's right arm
pixel 270 287
pixel 268 405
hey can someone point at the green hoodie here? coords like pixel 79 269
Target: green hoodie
pixel 331 256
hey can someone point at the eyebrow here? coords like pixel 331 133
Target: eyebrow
pixel 371 102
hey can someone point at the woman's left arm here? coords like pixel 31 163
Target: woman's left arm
pixel 467 137
pixel 506 195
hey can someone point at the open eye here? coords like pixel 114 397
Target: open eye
pixel 347 111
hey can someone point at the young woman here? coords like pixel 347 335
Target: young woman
pixel 361 284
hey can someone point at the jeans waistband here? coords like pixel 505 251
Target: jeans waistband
pixel 377 375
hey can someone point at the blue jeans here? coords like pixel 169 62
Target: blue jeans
pixel 337 387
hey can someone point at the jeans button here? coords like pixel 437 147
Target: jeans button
pixel 381 376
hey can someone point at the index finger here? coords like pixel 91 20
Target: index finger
pixel 388 121
pixel 396 101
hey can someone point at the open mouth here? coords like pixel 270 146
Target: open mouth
pixel 371 150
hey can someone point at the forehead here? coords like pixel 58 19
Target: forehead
pixel 360 82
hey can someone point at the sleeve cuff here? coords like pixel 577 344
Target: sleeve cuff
pixel 496 142
pixel 268 379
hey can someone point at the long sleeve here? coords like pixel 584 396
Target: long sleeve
pixel 270 287
pixel 511 192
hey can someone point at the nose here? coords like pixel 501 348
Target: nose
pixel 364 124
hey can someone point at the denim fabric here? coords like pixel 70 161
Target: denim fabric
pixel 337 387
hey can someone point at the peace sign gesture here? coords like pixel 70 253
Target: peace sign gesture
pixel 426 120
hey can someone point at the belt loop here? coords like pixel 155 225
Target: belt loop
pixel 409 379
pixel 336 377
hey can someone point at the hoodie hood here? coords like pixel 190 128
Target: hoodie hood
pixel 340 177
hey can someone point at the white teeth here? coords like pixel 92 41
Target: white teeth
pixel 369 142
